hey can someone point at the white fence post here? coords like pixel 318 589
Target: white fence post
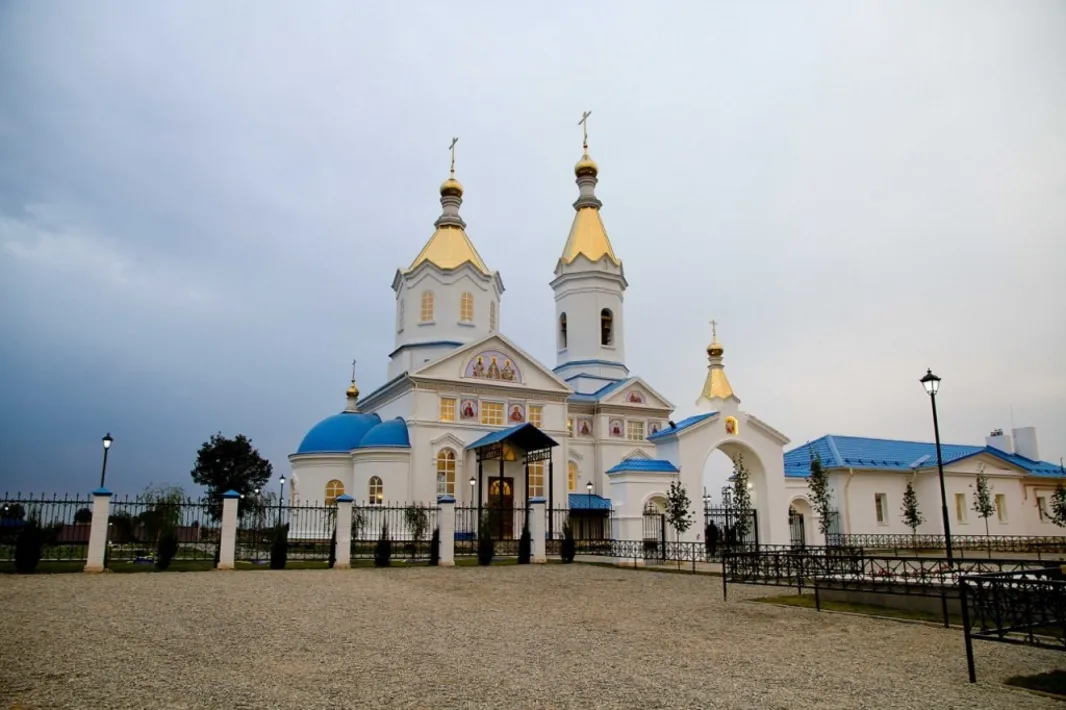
pixel 344 532
pixel 97 551
pixel 538 530
pixel 446 524
pixel 228 540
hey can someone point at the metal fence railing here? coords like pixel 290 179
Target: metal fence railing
pixel 960 544
pixel 64 523
pixel 137 524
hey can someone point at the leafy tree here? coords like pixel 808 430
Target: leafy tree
pixel 678 511
pixel 821 495
pixel 434 548
pixel 13 511
pixel 568 550
pixel 224 464
pixel 166 549
pixel 162 511
pixel 1058 506
pixel 983 502
pixel 417 523
pixel 912 517
pixel 83 516
pixel 279 548
pixel 741 498
pixel 383 549
pixel 28 547
pixel 525 545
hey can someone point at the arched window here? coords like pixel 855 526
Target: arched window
pixel 606 327
pixel 562 332
pixel 399 317
pixel 427 306
pixel 334 490
pixel 377 491
pixel 536 478
pixel 466 307
pixel 446 472
pixel 492 316
pixel 571 477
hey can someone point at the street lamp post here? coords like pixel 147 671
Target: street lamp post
pixel 932 383
pixel 281 496
pixel 107 445
pixel 588 487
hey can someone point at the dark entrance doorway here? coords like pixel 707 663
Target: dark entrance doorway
pixel 501 507
pixel 795 524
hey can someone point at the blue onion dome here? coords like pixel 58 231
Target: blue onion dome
pixel 392 433
pixel 338 434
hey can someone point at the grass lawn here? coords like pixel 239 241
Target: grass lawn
pixel 807 602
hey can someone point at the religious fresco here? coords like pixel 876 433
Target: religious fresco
pixel 493 365
pixel 635 397
pixel 516 413
pixel 616 427
pixel 468 409
pixel 584 427
pixel 654 428
pixel 730 425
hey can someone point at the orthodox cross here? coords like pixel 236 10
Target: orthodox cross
pixel 452 149
pixel 585 129
pixel 353 370
pixel 714 330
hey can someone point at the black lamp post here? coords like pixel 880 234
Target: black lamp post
pixel 281 496
pixel 107 445
pixel 932 383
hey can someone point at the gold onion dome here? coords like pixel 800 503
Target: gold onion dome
pixel 715 349
pixel 586 166
pixel 353 391
pixel 451 186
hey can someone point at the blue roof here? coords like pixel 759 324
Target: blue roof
pixel 495 437
pixel 353 430
pixel 681 425
pixel 636 464
pixel 894 455
pixel 526 436
pixel 588 501
pixel 599 394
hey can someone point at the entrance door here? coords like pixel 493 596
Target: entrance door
pixel 795 522
pixel 501 508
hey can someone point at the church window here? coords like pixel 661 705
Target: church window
pixel 399 317
pixel 635 430
pixel 1041 509
pixel 1001 507
pixel 492 413
pixel 536 478
pixel 334 490
pixel 427 306
pixel 536 415
pixel 447 409
pixel 377 491
pixel 492 316
pixel 562 332
pixel 606 327
pixel 466 307
pixel 446 472
pixel 571 477
pixel 569 426
pixel 881 505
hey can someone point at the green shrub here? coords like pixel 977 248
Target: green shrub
pixel 569 547
pixel 28 547
pixel 218 552
pixel 383 549
pixel 279 548
pixel 434 548
pixel 333 549
pixel 166 549
pixel 525 545
pixel 486 548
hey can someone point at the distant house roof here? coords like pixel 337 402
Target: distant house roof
pixel 635 464
pixel 895 455
pixel 681 426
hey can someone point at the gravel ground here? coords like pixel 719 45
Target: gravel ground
pixel 501 637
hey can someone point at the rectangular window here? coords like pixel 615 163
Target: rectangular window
pixel 569 427
pixel 536 415
pixel 447 409
pixel 492 413
pixel 536 478
pixel 1041 506
pixel 635 430
pixel 960 507
pixel 881 503
pixel 1001 507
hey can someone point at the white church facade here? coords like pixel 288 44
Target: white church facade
pixel 459 390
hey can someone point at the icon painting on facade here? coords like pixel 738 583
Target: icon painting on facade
pixel 654 428
pixel 616 427
pixel 468 410
pixel 635 397
pixel 516 414
pixel 493 365
pixel 730 425
pixel 584 427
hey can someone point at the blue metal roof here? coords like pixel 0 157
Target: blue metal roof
pixel 654 465
pixel 599 394
pixel 681 425
pixel 588 501
pixel 894 455
pixel 339 433
pixel 392 433
pixel 525 436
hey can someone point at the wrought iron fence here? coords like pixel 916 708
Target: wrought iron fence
pixel 137 524
pixel 1020 607
pixel 64 521
pixel 987 544
pixel 504 526
pixel 409 529
pixel 728 527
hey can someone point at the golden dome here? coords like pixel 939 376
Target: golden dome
pixel 586 166
pixel 715 349
pixel 451 186
pixel 353 391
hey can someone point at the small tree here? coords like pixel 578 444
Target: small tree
pixel 912 517
pixel 568 550
pixel 28 547
pixel 741 498
pixel 434 548
pixel 83 516
pixel 279 548
pixel 678 511
pixel 166 548
pixel 821 495
pixel 525 545
pixel 983 502
pixel 1058 506
pixel 486 548
pixel 417 523
pixel 383 549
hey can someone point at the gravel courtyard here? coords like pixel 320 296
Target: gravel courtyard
pixel 574 636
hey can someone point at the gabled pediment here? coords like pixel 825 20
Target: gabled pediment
pixel 992 465
pixel 636 454
pixel 637 393
pixel 448 439
pixel 493 360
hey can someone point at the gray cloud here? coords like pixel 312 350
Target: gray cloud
pixel 201 208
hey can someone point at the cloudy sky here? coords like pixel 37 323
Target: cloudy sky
pixel 202 207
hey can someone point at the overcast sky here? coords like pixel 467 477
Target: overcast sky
pixel 202 207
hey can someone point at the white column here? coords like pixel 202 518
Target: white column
pixel 344 532
pixel 228 541
pixel 446 524
pixel 98 532
pixel 538 529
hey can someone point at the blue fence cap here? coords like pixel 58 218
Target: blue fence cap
pixel 231 494
pixel 537 499
pixel 345 498
pixel 101 491
pixel 446 499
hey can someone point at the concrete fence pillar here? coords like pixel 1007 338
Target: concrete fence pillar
pixel 538 529
pixel 97 552
pixel 446 525
pixel 344 532
pixel 228 534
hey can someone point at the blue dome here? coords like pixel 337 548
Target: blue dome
pixel 338 434
pixel 391 433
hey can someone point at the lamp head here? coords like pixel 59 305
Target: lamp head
pixel 473 481
pixel 588 486
pixel 282 479
pixel 931 382
pixel 107 441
